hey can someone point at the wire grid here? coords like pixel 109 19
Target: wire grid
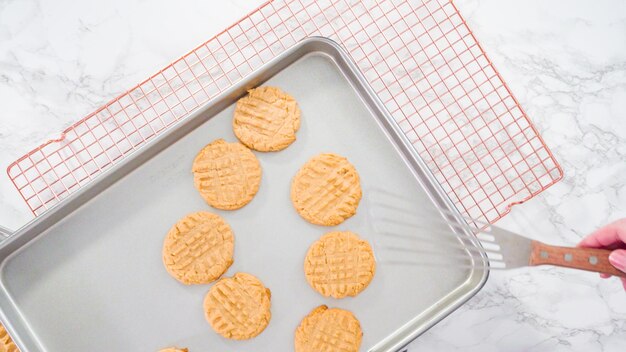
pixel 419 56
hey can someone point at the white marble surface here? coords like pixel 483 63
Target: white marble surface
pixel 565 61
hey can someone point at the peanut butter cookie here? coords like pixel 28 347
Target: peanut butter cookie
pixel 327 329
pixel 326 190
pixel 198 248
pixel 227 175
pixel 266 119
pixel 238 307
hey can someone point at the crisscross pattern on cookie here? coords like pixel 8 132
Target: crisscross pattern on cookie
pixel 340 264
pixel 227 175
pixel 199 248
pixel 238 307
pixel 326 190
pixel 328 330
pixel 266 119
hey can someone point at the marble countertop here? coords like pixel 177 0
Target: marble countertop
pixel 564 60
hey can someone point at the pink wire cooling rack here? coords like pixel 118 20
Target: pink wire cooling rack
pixel 419 56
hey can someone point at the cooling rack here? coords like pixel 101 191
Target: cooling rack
pixel 419 56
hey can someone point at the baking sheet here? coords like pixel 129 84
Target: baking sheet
pixel 88 276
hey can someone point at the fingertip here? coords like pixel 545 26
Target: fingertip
pixel 605 276
pixel 617 258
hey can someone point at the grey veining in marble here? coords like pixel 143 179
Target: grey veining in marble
pixel 564 60
pixel 566 63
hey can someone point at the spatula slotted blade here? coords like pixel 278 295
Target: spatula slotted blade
pixel 515 249
pixel 518 251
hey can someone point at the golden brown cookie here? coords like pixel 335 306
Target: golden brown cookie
pixel 238 307
pixel 326 190
pixel 174 349
pixel 266 119
pixel 198 248
pixel 328 330
pixel 339 264
pixel 227 175
pixel 6 344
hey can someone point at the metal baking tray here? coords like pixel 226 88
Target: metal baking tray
pixel 87 274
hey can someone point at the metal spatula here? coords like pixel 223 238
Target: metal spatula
pixel 407 239
pixel 518 251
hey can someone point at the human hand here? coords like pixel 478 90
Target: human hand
pixel 611 236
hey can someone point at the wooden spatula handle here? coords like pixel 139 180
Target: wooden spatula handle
pixel 590 259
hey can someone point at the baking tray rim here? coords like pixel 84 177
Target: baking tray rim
pixel 22 237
